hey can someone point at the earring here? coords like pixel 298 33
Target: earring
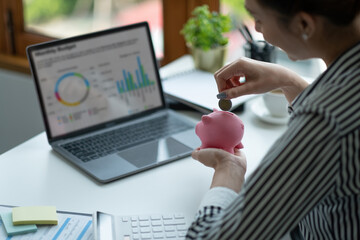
pixel 305 36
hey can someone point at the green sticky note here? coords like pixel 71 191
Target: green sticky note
pixel 15 230
pixel 34 215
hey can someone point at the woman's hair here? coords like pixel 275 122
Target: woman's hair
pixel 339 12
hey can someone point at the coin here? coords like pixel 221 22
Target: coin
pixel 225 105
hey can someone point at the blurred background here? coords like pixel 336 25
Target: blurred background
pixel 59 19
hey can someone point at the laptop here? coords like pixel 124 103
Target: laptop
pixel 103 104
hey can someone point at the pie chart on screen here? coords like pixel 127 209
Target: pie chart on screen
pixel 72 89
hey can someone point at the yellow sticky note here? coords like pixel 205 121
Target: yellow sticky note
pixel 34 215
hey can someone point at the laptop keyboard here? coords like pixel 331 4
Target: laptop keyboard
pixel 169 226
pixel 110 142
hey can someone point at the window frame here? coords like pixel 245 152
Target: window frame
pixel 14 39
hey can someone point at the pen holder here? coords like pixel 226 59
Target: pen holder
pixel 260 50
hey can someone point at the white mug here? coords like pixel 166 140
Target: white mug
pixel 276 103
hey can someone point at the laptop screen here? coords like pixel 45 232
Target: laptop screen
pixel 96 78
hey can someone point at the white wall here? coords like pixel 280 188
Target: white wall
pixel 20 116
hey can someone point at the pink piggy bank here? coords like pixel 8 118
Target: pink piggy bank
pixel 220 129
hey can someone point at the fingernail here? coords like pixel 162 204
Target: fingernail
pixel 221 95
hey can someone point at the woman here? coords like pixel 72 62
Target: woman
pixel 308 183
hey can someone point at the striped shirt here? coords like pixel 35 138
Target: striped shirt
pixel 310 178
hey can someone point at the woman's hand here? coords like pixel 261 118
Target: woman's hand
pixel 229 168
pixel 260 77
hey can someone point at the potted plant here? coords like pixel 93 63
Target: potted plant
pixel 204 36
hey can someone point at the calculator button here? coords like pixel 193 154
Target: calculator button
pixel 179 222
pixel 156 223
pixel 157 229
pixel 169 229
pixel 159 235
pixel 156 217
pixel 146 236
pixel 144 223
pixel 167 216
pixel 179 216
pixel 181 227
pixel 170 235
pixel 169 222
pixel 145 230
pixel 143 218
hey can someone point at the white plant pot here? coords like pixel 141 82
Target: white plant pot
pixel 210 60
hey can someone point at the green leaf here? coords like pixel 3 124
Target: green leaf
pixel 205 29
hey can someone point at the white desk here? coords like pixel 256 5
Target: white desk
pixel 33 174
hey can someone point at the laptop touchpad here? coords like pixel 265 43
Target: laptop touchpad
pixel 155 151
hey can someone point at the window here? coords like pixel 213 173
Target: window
pixel 60 19
pixel 26 22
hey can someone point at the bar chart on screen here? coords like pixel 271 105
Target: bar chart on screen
pixel 136 84
pixel 127 84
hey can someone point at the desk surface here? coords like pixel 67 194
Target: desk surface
pixel 33 174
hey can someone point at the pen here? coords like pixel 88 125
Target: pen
pixel 246 33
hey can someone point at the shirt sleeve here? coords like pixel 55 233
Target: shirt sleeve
pixel 297 172
pixel 218 196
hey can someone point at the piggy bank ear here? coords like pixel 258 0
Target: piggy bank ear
pixel 215 110
pixel 206 119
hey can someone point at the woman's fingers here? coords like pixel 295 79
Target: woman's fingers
pixel 225 75
pixel 228 77
pixel 243 89
pixel 213 157
pixel 260 77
